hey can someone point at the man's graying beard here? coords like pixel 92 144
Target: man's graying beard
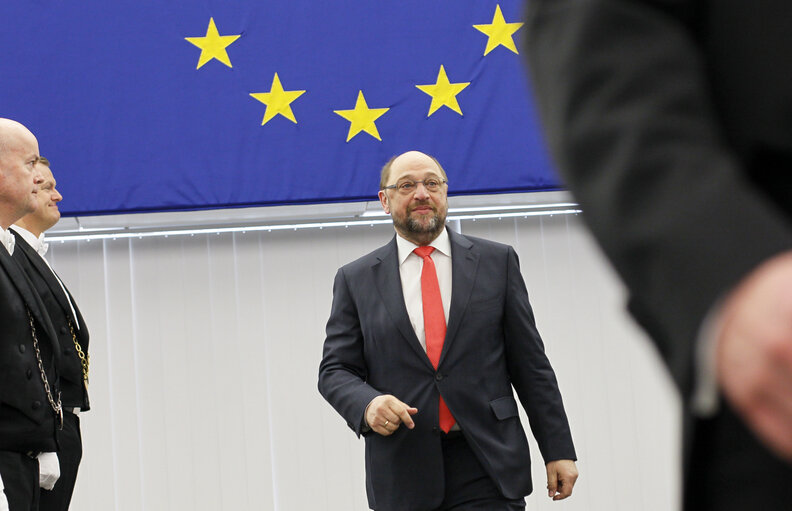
pixel 434 226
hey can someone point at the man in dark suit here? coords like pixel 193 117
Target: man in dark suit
pixel 427 336
pixel 671 121
pixel 70 328
pixel 30 408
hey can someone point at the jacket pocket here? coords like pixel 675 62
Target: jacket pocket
pixel 504 407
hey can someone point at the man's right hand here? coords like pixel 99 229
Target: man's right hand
pixel 384 414
pixel 754 352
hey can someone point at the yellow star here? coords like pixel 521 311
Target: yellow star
pixel 443 93
pixel 362 118
pixel 278 101
pixel 213 45
pixel 499 32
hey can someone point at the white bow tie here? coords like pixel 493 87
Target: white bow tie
pixel 41 248
pixel 8 241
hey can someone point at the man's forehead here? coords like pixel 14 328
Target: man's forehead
pixel 16 136
pixel 46 173
pixel 414 162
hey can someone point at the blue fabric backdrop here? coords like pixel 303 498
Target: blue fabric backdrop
pixel 113 91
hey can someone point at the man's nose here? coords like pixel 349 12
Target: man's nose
pixel 38 177
pixel 56 196
pixel 420 190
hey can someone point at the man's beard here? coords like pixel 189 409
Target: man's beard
pixel 412 226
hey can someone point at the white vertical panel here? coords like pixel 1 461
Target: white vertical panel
pixel 255 414
pixel 122 366
pixel 179 409
pixel 205 352
pixel 225 371
pixel 199 449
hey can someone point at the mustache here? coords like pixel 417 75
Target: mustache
pixel 422 205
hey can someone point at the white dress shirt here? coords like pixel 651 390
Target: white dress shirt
pixel 410 267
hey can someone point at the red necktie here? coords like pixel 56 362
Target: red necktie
pixel 434 322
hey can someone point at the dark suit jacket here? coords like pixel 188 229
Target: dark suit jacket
pixel 491 346
pixel 27 423
pixel 671 121
pixel 73 392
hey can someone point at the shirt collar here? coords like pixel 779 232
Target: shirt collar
pixel 442 244
pixel 37 243
pixel 7 240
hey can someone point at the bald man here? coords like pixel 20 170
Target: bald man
pixel 70 328
pixel 427 338
pixel 30 407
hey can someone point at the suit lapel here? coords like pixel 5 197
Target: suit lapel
pixel 464 264
pixel 45 272
pixel 25 288
pixel 386 276
pixel 82 330
pixel 20 281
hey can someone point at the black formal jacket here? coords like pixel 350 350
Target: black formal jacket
pixel 73 391
pixel 491 346
pixel 671 121
pixel 27 422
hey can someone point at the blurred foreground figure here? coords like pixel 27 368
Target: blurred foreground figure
pixel 671 122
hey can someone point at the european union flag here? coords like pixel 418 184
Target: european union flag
pixel 195 104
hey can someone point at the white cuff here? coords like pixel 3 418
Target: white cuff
pixel 3 499
pixel 49 470
pixel 704 402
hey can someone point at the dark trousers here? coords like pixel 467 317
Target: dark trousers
pixel 20 475
pixel 730 470
pixel 467 485
pixel 69 457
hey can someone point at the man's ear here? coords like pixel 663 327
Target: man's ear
pixel 384 201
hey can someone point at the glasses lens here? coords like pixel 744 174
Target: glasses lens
pixel 432 185
pixel 406 186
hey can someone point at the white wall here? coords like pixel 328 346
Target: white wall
pixel 204 355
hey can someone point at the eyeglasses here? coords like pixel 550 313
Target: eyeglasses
pixel 408 186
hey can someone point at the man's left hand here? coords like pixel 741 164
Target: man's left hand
pixel 561 477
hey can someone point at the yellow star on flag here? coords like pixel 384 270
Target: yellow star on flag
pixel 443 93
pixel 499 32
pixel 362 118
pixel 278 101
pixel 213 45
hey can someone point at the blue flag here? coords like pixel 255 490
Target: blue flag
pixel 159 106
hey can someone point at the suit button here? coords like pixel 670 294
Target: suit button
pixel 435 430
pixel 36 405
pixel 64 330
pixel 22 348
pixel 29 374
pixel 438 377
pixel 67 351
